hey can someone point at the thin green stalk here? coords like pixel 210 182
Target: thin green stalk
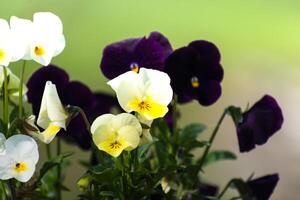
pixel 5 100
pixel 224 190
pixel 58 188
pixel 12 189
pixel 174 107
pixel 214 133
pixel 48 151
pixel 4 189
pixel 21 90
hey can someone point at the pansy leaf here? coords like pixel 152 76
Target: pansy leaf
pixel 236 114
pixel 243 189
pixel 142 151
pixel 191 131
pixel 14 113
pixel 215 156
pixel 52 163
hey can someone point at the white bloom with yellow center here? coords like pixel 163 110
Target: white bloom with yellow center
pixel 52 116
pixel 20 158
pixel 10 50
pixel 147 92
pixel 42 38
pixel 115 133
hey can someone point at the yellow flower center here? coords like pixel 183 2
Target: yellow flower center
pixel 135 68
pixel 51 130
pixel 148 107
pixel 2 54
pixel 21 167
pixel 39 51
pixel 195 82
pixel 115 145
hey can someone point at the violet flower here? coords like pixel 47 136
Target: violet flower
pixel 196 72
pixel 259 123
pixel 132 54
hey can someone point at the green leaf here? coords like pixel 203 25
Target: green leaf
pixel 236 114
pixel 52 163
pixel 191 131
pixel 243 189
pixel 142 151
pixel 14 114
pixel 215 156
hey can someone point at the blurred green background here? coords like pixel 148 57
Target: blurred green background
pixel 260 45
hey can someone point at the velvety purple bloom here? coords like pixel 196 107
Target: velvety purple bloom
pixel 131 54
pixel 72 93
pixel 208 189
pixel 263 187
pixel 196 72
pixel 259 123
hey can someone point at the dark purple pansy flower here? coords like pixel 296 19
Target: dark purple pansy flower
pixel 263 187
pixel 259 123
pixel 131 54
pixel 208 189
pixel 72 93
pixel 196 72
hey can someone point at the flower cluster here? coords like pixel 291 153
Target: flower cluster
pixel 138 150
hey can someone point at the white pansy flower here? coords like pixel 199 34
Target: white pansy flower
pixel 52 116
pixel 20 158
pixel 10 49
pixel 147 92
pixel 42 38
pixel 115 133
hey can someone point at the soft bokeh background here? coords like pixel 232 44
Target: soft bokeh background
pixel 260 46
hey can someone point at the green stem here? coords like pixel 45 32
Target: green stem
pixel 224 190
pixel 21 90
pixel 211 140
pixel 58 188
pixel 174 107
pixel 4 189
pixel 48 151
pixel 12 189
pixel 5 101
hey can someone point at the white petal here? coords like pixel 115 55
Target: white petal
pixel 51 110
pixel 6 163
pixel 4 27
pixel 131 135
pixel 60 43
pixel 103 120
pixel 22 147
pixel 127 86
pixel 103 133
pixel 125 119
pixel 48 47
pixel 22 31
pixel 49 22
pixel 158 85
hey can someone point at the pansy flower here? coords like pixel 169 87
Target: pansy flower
pixel 132 54
pixel 20 157
pixel 259 123
pixel 42 38
pixel 52 115
pixel 71 93
pixel 196 72
pixel 263 187
pixel 10 50
pixel 115 133
pixel 148 92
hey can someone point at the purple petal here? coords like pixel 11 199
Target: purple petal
pixel 259 123
pixel 263 187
